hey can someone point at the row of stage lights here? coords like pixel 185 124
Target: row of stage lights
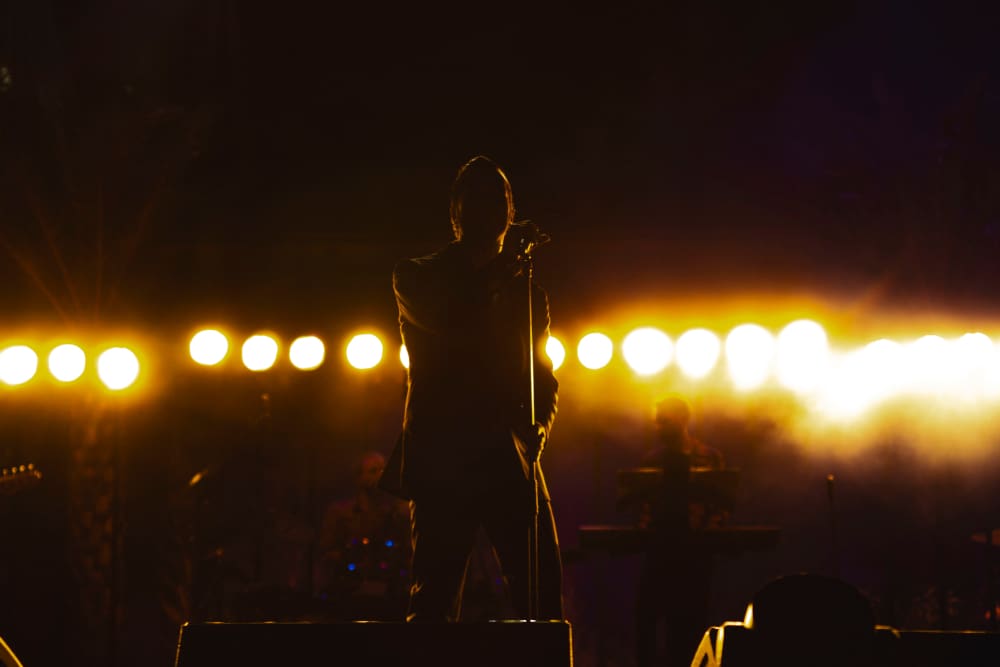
pixel 799 358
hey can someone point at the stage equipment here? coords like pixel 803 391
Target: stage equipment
pixel 808 619
pixel 527 237
pixel 376 644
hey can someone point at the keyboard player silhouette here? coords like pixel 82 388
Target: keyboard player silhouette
pixel 676 571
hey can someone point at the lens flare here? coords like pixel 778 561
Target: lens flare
pixel 803 356
pixel 307 353
pixel 404 357
pixel 555 351
pixel 364 351
pixel 749 355
pixel 697 352
pixel 118 368
pixel 647 350
pixel 594 351
pixel 259 352
pixel 67 362
pixel 18 364
pixel 208 347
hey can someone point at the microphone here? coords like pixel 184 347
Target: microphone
pixel 528 235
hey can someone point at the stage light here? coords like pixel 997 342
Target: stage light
pixel 594 351
pixel 67 362
pixel 555 351
pixel 307 353
pixel 863 379
pixel 18 364
pixel 364 351
pixel 118 368
pixel 803 356
pixel 259 352
pixel 974 357
pixel 698 352
pixel 749 355
pixel 404 357
pixel 208 347
pixel 928 365
pixel 647 350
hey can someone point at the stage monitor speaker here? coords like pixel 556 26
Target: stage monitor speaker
pixel 376 644
pixel 734 645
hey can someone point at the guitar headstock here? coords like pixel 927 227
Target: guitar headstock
pixel 18 478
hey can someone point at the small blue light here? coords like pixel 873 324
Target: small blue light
pixel 389 543
pixel 351 567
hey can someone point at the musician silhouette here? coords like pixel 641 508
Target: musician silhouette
pixel 363 554
pixel 675 574
pixel 468 441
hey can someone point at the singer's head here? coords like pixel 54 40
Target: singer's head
pixel 482 204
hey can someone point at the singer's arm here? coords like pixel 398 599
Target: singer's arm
pixel 546 385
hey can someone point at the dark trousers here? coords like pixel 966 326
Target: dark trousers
pixel 443 533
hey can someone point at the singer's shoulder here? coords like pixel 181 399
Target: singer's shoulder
pixel 412 266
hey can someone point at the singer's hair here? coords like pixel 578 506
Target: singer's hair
pixel 480 183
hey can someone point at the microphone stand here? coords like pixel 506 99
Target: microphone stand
pixel 530 238
pixel 525 257
pixel 533 610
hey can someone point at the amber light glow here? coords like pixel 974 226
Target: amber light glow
pixel 67 362
pixel 307 353
pixel 18 364
pixel 803 356
pixel 647 350
pixel 208 347
pixel 698 351
pixel 364 351
pixel 750 352
pixel 259 352
pixel 594 351
pixel 556 352
pixel 118 368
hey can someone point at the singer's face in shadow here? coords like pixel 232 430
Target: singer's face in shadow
pixel 483 215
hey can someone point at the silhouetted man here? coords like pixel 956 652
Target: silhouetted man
pixel 363 551
pixel 675 573
pixel 468 441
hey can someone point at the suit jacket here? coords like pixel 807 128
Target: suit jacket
pixel 467 338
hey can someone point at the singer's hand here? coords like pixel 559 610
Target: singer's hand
pixel 532 438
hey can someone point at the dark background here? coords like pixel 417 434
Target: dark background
pixel 264 165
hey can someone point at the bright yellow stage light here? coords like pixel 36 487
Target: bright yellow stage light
pixel 698 352
pixel 863 379
pixel 803 356
pixel 307 353
pixel 974 357
pixel 555 351
pixel 928 365
pixel 404 357
pixel 364 351
pixel 67 362
pixel 594 351
pixel 749 355
pixel 208 347
pixel 647 350
pixel 18 364
pixel 118 368
pixel 259 352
